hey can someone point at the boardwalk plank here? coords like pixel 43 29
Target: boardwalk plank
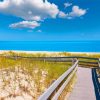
pixel 84 88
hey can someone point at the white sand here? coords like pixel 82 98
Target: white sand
pixel 46 52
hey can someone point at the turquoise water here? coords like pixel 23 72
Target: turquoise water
pixel 68 46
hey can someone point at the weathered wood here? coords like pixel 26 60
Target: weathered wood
pixel 88 62
pixel 84 88
pixel 51 57
pixel 53 87
pixel 56 96
pixel 72 59
pixel 99 62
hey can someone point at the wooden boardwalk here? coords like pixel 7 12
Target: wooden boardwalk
pixel 87 86
pixel 84 88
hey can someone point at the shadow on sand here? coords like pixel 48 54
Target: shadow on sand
pixel 96 83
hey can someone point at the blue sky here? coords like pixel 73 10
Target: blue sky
pixel 51 20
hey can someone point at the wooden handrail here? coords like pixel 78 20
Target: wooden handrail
pixel 49 57
pixel 64 79
pixel 99 62
pixel 54 86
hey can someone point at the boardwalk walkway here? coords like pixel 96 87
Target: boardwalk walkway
pixel 84 89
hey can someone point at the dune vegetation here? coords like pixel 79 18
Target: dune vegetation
pixel 26 79
pixel 49 54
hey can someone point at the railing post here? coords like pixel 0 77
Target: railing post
pixel 55 84
pixel 99 67
pixel 78 62
pixel 74 60
pixel 99 62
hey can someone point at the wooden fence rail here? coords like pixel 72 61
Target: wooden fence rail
pixel 60 84
pixel 47 94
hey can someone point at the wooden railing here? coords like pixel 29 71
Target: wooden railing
pixel 96 80
pixel 55 90
pixel 99 62
pixel 47 94
pixel 98 69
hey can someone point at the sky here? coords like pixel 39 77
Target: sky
pixel 49 20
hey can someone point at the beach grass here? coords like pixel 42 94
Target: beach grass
pixel 28 78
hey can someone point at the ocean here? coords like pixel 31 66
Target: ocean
pixel 60 46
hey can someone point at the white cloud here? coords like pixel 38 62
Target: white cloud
pixel 67 4
pixel 30 31
pixel 62 14
pixel 29 9
pixel 25 24
pixel 76 12
pixel 39 31
pixel 33 12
